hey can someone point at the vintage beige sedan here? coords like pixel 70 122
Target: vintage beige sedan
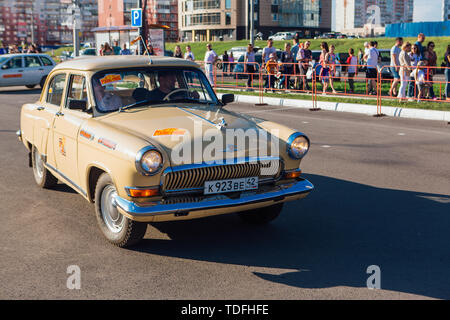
pixel 148 140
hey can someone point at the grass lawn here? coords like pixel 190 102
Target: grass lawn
pixel 342 45
pixel 391 103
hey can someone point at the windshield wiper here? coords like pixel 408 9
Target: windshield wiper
pixel 137 104
pixel 191 100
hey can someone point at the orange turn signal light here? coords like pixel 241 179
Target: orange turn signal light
pixel 143 193
pixel 292 174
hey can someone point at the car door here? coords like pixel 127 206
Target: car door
pixel 12 72
pixel 33 69
pixel 66 129
pixel 44 115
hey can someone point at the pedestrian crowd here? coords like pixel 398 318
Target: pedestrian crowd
pixel 412 66
pixel 24 48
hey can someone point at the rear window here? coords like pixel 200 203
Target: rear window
pixel 46 61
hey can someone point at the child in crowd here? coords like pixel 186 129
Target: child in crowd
pixel 272 70
pixel 352 67
pixel 419 78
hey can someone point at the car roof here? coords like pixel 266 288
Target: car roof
pixel 23 54
pixel 93 63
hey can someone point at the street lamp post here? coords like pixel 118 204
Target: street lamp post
pixel 252 22
pixel 75 27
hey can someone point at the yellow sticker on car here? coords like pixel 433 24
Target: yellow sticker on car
pixel 169 132
pixel 110 78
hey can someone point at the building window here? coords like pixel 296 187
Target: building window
pixel 227 4
pixel 227 18
pixel 274 17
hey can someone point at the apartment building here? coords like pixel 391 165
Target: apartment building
pixel 205 20
pixel 44 21
pixel 114 17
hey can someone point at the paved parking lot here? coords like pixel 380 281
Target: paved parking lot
pixel 382 198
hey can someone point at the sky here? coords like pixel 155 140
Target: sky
pixel 424 10
pixel 427 10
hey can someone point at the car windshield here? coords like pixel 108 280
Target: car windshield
pixel 126 88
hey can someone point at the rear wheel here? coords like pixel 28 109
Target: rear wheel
pixel 42 176
pixel 118 229
pixel 262 215
pixel 30 86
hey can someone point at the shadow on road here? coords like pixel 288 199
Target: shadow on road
pixel 330 238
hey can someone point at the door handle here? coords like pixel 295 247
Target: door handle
pixel 40 69
pixel 59 114
pixel 40 108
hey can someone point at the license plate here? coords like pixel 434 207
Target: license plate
pixel 231 185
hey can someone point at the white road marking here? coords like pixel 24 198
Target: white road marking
pixel 326 146
pixel 401 134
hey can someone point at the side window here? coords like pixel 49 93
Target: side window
pixel 32 61
pixel 55 89
pixel 14 63
pixel 77 89
pixel 46 61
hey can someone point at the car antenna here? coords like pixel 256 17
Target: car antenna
pixel 146 50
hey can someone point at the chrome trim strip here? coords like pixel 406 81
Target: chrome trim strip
pixel 225 162
pixel 291 139
pixel 73 184
pixel 158 208
pixel 19 134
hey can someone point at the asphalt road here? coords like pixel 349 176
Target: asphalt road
pixel 382 198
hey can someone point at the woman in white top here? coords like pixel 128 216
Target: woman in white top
pixel 405 69
pixel 415 58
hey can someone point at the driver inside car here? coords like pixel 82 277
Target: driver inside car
pixel 167 83
pixel 166 90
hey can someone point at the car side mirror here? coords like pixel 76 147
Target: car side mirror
pixel 77 104
pixel 227 98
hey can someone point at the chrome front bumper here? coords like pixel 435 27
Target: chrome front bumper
pixel 277 193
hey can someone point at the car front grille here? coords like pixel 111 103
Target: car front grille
pixel 195 178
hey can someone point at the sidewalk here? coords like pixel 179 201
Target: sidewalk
pixel 348 107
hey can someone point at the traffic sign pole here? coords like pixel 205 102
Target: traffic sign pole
pixel 136 21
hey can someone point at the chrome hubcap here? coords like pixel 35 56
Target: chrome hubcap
pixel 38 165
pixel 111 216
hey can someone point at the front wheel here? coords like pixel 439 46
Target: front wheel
pixel 262 215
pixel 43 177
pixel 30 86
pixel 118 229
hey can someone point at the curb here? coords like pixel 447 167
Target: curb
pixel 349 107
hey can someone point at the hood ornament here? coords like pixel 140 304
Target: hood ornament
pixel 221 124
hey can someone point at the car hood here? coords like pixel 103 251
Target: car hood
pixel 174 127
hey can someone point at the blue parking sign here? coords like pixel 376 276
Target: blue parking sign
pixel 136 18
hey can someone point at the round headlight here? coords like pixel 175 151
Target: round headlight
pixel 149 161
pixel 297 145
